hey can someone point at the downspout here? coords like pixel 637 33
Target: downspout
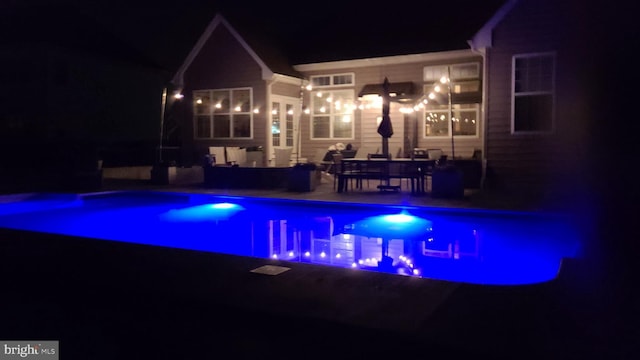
pixel 297 131
pixel 269 145
pixel 485 107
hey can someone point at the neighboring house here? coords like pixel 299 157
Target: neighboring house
pixel 505 99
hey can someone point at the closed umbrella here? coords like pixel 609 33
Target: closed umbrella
pixel 385 129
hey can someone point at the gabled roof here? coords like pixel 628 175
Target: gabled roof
pixel 483 38
pixel 271 63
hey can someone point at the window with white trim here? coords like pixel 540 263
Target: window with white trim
pixel 464 122
pixel 223 113
pixel 533 85
pixel 459 113
pixel 458 71
pixel 319 81
pixel 332 114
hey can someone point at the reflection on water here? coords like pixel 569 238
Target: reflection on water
pixel 475 247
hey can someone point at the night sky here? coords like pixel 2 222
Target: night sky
pixel 165 31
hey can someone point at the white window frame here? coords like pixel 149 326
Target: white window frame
pixel 331 116
pixel 551 92
pixel 332 80
pixel 430 81
pixel 231 114
pixel 475 106
pixel 428 69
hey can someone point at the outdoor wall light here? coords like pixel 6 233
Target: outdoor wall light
pixel 256 110
pixel 198 101
pixel 178 96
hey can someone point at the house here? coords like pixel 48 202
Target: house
pixel 507 95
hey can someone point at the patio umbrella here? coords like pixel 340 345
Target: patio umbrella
pixel 385 129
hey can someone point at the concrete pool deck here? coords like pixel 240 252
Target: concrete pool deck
pixel 106 300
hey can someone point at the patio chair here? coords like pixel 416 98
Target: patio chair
pixel 366 150
pixel 282 157
pixel 346 174
pixel 218 152
pixel 236 155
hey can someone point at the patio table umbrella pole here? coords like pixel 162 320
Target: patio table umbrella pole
pixel 453 148
pixel 385 129
pixel 162 112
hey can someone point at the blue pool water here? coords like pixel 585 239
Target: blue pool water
pixel 473 246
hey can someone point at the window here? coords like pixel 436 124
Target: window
pixel 458 72
pixel 332 80
pixel 223 113
pixel 533 93
pixel 332 114
pixel 465 120
pixel 466 96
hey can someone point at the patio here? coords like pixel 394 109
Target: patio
pixel 325 191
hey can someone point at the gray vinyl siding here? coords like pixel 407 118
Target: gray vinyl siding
pixel 525 161
pixel 404 125
pixel 223 63
pixel 286 89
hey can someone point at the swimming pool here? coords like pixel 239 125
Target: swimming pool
pixel 471 246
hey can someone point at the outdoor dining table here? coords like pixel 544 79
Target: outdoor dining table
pixel 414 170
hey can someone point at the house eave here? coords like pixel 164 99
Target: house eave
pixel 385 60
pixel 484 37
pixel 287 79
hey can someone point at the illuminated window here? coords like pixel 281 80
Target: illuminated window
pixel 224 113
pixel 332 80
pixel 464 84
pixel 533 93
pixel 332 114
pixel 437 121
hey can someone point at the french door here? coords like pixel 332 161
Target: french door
pixel 284 127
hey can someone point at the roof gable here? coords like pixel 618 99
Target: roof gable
pixel 483 38
pixel 268 71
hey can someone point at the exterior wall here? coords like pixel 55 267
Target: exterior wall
pixel 532 162
pixel 286 89
pixel 223 63
pixel 408 129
